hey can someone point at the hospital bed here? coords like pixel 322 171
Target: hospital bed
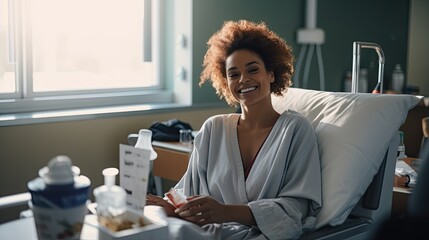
pixel 358 141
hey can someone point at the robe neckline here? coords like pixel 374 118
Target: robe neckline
pixel 237 154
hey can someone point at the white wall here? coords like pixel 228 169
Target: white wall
pixel 418 46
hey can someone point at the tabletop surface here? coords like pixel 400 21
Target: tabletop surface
pixel 173 146
pixel 25 229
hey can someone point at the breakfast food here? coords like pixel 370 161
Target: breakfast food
pixel 116 224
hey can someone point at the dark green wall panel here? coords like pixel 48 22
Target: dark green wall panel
pixel 384 22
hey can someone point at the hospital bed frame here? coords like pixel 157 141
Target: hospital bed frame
pixel 374 206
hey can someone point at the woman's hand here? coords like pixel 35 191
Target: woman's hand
pixel 159 201
pixel 202 210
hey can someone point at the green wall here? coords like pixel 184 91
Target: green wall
pixel 384 22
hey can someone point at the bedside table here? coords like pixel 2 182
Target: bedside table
pixel 171 163
pixel 401 193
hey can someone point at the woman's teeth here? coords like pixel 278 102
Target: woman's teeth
pixel 245 90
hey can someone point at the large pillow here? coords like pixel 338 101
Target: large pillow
pixel 353 132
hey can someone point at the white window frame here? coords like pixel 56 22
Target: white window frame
pixel 180 94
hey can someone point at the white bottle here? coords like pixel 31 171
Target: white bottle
pixel 398 79
pixel 363 80
pixel 111 200
pixel 347 87
pixel 401 147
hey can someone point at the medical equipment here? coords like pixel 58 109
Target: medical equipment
pixel 312 38
pixel 356 63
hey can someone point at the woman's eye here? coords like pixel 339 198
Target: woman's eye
pixel 253 70
pixel 232 75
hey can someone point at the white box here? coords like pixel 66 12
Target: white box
pixel 154 217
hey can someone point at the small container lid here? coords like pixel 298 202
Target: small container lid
pixel 110 176
pixel 59 171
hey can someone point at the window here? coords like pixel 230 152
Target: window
pixel 59 54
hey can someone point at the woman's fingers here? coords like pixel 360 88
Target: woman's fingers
pixel 197 210
pixel 156 200
pixel 193 202
pixel 152 199
pixel 200 210
pixel 199 218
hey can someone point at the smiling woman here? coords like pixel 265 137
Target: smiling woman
pixel 255 174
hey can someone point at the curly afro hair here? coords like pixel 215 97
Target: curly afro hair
pixel 273 50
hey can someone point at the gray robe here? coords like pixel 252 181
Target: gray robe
pixel 283 189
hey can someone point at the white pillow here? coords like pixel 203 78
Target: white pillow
pixel 353 132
